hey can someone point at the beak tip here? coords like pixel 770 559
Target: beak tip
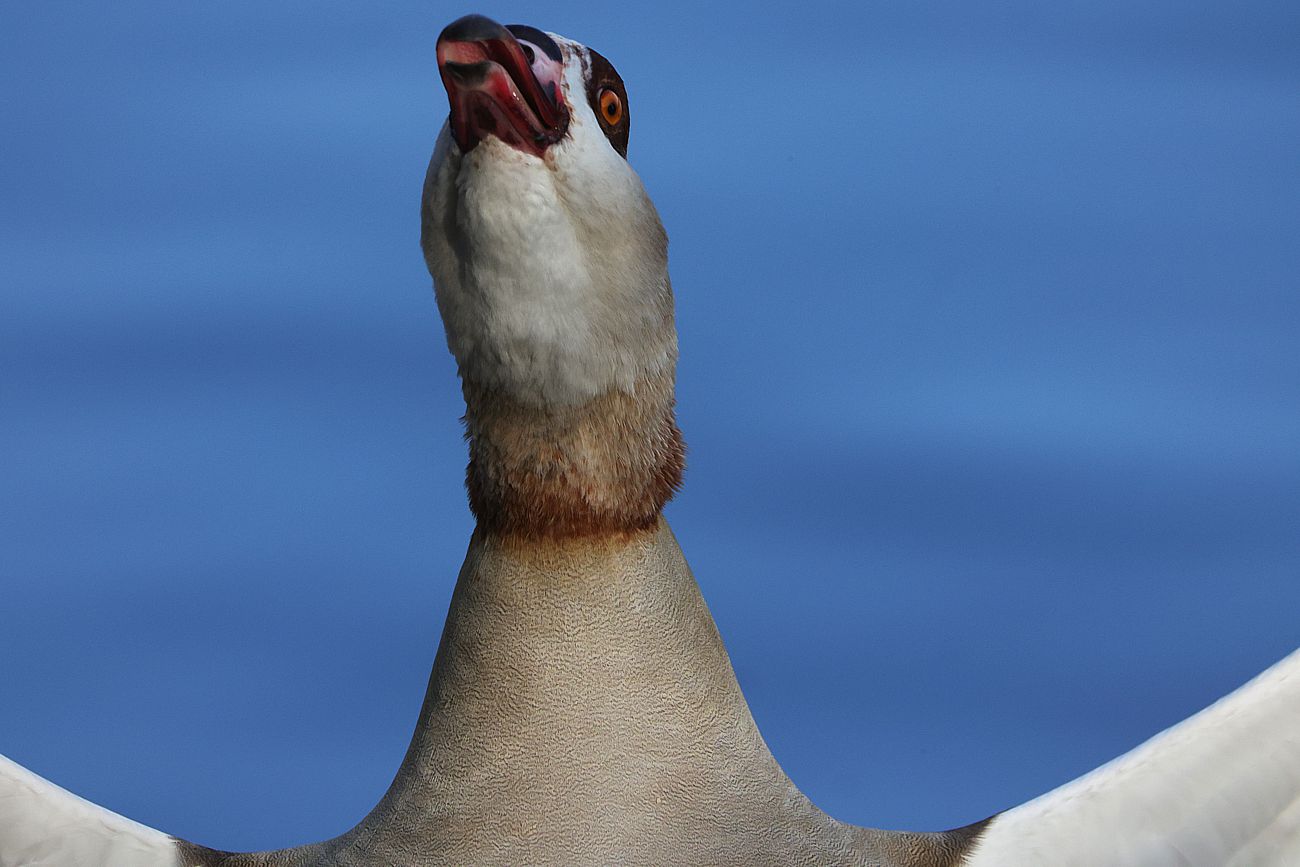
pixel 472 28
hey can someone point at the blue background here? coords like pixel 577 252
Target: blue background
pixel 990 376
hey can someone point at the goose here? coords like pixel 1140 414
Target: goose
pixel 582 708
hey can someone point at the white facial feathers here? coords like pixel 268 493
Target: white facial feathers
pixel 551 273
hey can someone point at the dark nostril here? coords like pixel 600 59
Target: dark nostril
pixel 528 52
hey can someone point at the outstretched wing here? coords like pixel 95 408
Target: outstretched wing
pixel 1221 788
pixel 41 824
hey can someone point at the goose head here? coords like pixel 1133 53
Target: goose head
pixel 550 266
pixel 548 258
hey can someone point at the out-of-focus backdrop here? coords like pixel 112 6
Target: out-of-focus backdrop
pixel 990 374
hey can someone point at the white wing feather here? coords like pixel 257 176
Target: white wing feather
pixel 42 825
pixel 1221 788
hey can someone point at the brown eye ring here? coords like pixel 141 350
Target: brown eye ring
pixel 611 107
pixel 608 100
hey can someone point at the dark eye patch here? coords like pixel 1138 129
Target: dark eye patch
pixel 601 75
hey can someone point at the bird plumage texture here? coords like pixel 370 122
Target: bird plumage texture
pixel 582 708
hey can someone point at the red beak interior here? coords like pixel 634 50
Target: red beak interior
pixel 493 85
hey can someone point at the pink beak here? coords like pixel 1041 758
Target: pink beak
pixel 500 86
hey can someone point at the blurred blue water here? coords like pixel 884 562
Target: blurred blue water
pixel 991 354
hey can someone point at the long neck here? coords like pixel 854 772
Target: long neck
pixel 582 708
pixel 582 696
pixel 565 663
pixel 551 472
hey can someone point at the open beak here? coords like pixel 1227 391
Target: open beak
pixel 500 86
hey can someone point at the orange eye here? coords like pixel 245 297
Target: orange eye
pixel 611 107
